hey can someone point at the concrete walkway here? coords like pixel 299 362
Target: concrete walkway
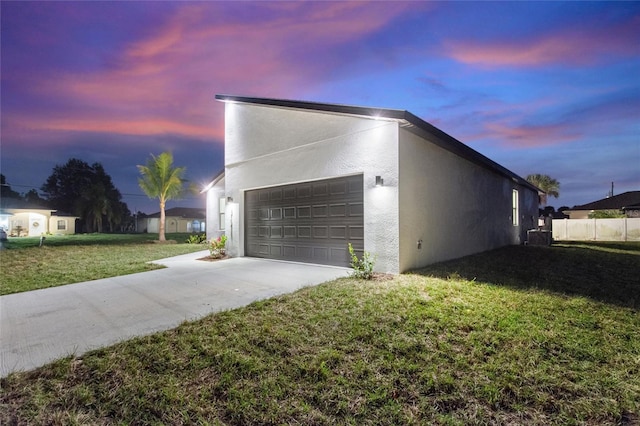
pixel 40 326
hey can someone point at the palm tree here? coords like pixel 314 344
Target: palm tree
pixel 94 204
pixel 547 184
pixel 162 181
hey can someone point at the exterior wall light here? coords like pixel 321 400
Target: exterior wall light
pixel 229 199
pixel 379 181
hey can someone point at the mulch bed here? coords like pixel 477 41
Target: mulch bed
pixel 214 259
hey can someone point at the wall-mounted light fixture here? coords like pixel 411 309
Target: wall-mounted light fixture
pixel 379 181
pixel 229 199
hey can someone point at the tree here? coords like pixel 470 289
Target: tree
pixel 84 190
pixel 5 189
pixel 162 181
pixel 33 198
pixel 547 184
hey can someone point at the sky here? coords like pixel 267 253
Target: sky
pixel 539 87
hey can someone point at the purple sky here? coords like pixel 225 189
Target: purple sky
pixel 540 87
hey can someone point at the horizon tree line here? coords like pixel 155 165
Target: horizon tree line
pixel 87 191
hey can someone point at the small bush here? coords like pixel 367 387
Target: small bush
pixel 196 239
pixel 606 214
pixel 217 246
pixel 362 268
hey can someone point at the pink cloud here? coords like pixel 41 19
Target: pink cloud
pixel 173 74
pixel 118 125
pixel 133 127
pixel 572 46
pixel 529 136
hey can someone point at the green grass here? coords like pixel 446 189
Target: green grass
pixel 488 339
pixel 76 258
pixel 89 239
pixel 608 272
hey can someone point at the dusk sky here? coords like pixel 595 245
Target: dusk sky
pixel 540 87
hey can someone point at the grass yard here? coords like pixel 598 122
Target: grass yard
pixel 75 258
pixel 520 335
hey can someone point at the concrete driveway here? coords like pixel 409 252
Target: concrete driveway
pixel 40 326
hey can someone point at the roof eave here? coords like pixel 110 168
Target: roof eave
pixel 213 182
pixel 414 124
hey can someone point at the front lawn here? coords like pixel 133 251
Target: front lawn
pixel 499 338
pixel 75 258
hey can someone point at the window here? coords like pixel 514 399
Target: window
pixel 515 211
pixel 62 225
pixel 222 207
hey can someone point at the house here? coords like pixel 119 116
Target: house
pixel 627 203
pixel 21 219
pixel 177 219
pixel 304 179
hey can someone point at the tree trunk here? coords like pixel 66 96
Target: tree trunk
pixel 161 236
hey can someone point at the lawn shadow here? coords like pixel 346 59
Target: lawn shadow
pixel 604 272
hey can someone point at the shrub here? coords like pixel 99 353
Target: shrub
pixel 362 268
pixel 217 246
pixel 196 239
pixel 606 214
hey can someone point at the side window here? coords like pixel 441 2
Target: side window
pixel 515 210
pixel 62 225
pixel 222 206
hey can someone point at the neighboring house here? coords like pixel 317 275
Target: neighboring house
pixel 304 179
pixel 177 219
pixel 20 219
pixel 627 203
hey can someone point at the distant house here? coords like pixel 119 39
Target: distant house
pixel 302 180
pixel 20 219
pixel 627 203
pixel 177 219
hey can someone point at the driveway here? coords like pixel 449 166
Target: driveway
pixel 40 326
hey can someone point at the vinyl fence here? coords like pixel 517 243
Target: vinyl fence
pixel 624 229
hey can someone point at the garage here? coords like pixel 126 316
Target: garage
pixel 310 222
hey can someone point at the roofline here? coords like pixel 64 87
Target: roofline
pixel 219 176
pixel 414 124
pixel 589 206
pixel 317 106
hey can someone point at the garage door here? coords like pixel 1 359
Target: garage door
pixel 306 222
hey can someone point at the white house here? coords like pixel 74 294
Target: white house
pixel 177 219
pixel 304 179
pixel 36 221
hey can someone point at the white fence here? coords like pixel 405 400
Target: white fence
pixel 624 229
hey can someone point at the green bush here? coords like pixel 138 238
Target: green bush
pixel 606 214
pixel 196 239
pixel 362 268
pixel 217 246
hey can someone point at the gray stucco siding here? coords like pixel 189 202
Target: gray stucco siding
pixel 436 189
pixel 273 146
pixel 454 206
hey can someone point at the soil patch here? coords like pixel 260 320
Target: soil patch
pixel 214 259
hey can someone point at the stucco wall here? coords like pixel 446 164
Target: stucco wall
pixel 69 225
pixel 267 146
pixel 213 209
pixel 454 206
pixel 37 222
